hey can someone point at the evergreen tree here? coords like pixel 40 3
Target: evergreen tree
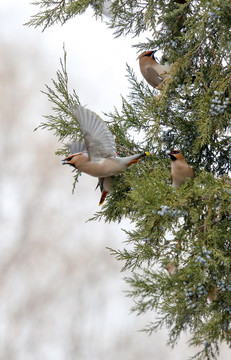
pixel 179 252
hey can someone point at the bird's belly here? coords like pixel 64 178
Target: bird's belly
pixel 180 179
pixel 178 182
pixel 103 168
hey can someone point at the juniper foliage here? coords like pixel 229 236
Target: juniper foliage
pixel 179 250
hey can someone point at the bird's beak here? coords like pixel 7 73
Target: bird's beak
pixel 65 162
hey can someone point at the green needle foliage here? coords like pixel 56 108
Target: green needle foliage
pixel 179 252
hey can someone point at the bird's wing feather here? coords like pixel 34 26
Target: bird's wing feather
pixel 77 147
pixel 98 138
pixel 152 76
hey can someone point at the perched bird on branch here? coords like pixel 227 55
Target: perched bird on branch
pixel 153 72
pixel 96 155
pixel 180 170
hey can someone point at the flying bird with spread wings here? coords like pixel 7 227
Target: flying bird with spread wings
pixel 96 154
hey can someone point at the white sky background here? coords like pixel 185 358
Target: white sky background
pixel 75 282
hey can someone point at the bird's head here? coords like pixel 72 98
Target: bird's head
pixel 148 54
pixel 176 155
pixel 72 159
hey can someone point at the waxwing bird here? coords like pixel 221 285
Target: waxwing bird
pixel 96 156
pixel 153 72
pixel 180 170
pixel 213 292
pixel 171 268
pixel 105 184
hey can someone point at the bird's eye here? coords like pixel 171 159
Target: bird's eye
pixel 175 152
pixel 70 157
pixel 149 54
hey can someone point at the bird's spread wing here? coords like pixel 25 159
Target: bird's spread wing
pixel 98 138
pixel 77 147
pixel 152 76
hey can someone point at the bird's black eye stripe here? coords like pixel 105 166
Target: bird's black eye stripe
pixel 149 54
pixel 175 152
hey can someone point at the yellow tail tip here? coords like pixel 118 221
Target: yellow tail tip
pixel 147 153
